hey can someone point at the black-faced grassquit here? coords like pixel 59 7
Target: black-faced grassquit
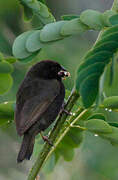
pixel 38 102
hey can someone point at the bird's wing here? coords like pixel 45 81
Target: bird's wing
pixel 35 105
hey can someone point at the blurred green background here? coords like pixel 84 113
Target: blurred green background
pixel 96 159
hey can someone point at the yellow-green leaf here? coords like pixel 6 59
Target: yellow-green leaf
pixel 6 82
pixel 98 126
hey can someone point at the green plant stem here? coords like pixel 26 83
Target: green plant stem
pixel 66 128
pixel 46 151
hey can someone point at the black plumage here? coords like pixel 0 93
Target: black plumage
pixel 38 102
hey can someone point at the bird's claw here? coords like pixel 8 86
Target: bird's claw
pixel 46 139
pixel 67 112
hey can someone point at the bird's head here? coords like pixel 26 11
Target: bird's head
pixel 48 69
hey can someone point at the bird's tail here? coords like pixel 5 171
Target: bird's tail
pixel 26 149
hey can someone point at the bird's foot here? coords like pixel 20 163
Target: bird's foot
pixel 67 112
pixel 46 139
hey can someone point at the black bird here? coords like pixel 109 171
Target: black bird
pixel 38 102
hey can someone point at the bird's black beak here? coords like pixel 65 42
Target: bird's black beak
pixel 63 73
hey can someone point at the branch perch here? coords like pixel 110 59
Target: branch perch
pixel 53 135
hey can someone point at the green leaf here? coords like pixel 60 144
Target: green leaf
pixel 73 27
pixel 109 31
pixel 29 58
pixel 69 17
pixel 97 116
pixel 68 155
pixel 5 67
pixel 51 32
pixel 91 54
pixel 114 19
pixel 71 140
pixel 109 37
pixel 76 136
pixel 106 15
pixel 44 12
pixel 89 70
pixel 112 137
pixel 107 46
pixel 111 90
pixel 33 5
pixel 89 89
pixel 33 42
pixel 28 14
pixel 115 124
pixel 11 60
pixel 19 46
pixel 98 126
pixel 110 102
pixel 6 82
pixel 102 56
pixel 66 151
pixel 38 9
pixel 4 122
pixel 48 20
pixel 6 112
pixel 92 18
